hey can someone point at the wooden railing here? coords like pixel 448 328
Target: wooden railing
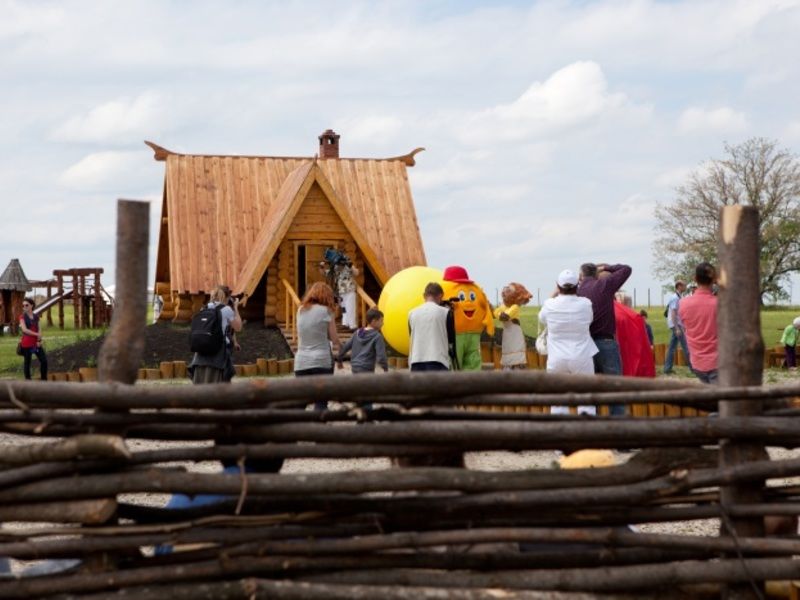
pixel 290 305
pixel 364 304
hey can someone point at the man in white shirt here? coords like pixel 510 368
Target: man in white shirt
pixel 431 327
pixel 570 347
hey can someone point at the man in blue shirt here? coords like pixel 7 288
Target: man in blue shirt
pixel 675 325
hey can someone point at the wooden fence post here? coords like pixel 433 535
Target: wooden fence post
pixel 741 352
pixel 122 351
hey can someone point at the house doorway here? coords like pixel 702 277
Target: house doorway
pixel 309 255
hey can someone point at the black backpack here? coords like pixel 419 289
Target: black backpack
pixel 207 336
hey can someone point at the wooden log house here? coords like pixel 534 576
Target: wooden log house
pixel 261 224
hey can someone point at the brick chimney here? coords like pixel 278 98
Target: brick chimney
pixel 329 144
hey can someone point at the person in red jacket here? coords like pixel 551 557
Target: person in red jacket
pixel 31 339
pixel 634 344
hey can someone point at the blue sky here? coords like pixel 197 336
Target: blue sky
pixel 552 128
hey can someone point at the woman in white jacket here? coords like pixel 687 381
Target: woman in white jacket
pixel 570 347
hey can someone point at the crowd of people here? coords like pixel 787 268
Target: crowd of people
pixel 589 326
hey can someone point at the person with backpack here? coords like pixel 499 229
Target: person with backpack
pixel 212 338
pixel 31 342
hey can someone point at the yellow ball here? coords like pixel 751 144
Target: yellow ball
pixel 402 293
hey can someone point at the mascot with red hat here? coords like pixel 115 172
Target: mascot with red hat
pixel 471 313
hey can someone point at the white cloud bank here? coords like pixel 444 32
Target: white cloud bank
pixel 573 96
pixel 117 121
pixel 714 120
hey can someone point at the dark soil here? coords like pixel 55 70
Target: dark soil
pixel 164 342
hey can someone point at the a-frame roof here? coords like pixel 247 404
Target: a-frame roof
pixel 290 199
pixel 216 207
pixel 13 278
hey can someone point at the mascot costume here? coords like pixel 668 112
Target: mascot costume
pixel 472 314
pixel 515 355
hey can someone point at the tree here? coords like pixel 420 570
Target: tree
pixel 756 172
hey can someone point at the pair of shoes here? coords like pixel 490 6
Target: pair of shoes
pixel 670 372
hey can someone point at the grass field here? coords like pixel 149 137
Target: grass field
pixel 54 338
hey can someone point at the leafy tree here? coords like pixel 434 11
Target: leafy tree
pixel 756 173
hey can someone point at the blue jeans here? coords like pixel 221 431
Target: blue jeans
pixel 608 362
pixel 27 355
pixel 674 340
pixel 711 377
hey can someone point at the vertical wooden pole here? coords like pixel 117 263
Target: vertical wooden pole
pixel 76 301
pixel 123 349
pixel 60 301
pixel 49 310
pixel 97 317
pixel 741 352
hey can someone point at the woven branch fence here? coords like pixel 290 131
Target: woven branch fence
pixel 82 463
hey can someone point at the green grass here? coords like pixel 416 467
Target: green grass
pixel 54 338
pixel 773 322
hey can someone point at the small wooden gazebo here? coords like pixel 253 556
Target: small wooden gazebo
pixel 260 224
pixel 13 287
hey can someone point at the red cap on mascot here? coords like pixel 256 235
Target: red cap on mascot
pixel 456 274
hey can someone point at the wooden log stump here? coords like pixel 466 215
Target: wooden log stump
pixel 272 366
pixel 740 350
pixel 59 376
pixel 402 362
pixel 141 374
pixel 153 373
pixel 660 351
pixel 285 366
pixel 533 358
pixel 179 369
pixel 167 369
pixel 392 360
pixel 486 352
pixel 249 370
pixel 261 364
pixel 73 376
pixel 123 347
pixel 680 358
pixel 497 354
pixel 238 370
pixel 88 373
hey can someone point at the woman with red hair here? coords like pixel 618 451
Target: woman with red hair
pixel 316 332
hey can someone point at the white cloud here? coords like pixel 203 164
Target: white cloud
pixel 370 128
pixel 672 178
pixel 112 171
pixel 572 96
pixel 793 130
pixel 117 121
pixel 714 120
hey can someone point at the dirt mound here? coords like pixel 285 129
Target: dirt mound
pixel 164 341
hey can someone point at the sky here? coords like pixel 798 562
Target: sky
pixel 552 129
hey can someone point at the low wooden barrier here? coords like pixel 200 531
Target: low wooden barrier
pixel 400 529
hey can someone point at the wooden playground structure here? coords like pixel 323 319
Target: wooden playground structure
pixel 82 287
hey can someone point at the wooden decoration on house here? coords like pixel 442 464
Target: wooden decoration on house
pixel 261 224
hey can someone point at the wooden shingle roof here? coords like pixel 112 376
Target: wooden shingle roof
pixel 13 278
pixel 217 206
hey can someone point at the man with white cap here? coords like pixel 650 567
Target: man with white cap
pixel 570 348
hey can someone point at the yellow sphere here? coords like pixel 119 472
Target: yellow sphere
pixel 402 293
